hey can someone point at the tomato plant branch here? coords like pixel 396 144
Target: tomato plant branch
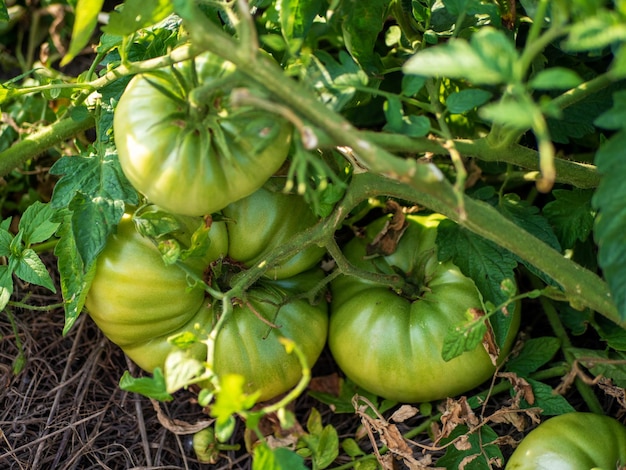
pixel 422 183
pixel 40 141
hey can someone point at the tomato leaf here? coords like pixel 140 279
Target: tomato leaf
pixel 6 285
pixel 481 260
pixel 536 353
pixel 462 338
pixel 86 17
pixel 555 78
pixel 137 14
pixel 95 190
pixel 4 13
pixel 36 223
pixel 463 101
pixel 280 458
pixel 151 387
pixel 296 18
pixel 550 403
pixel 324 446
pixel 75 281
pixel 477 453
pixel 361 22
pixel 488 59
pixel 611 220
pixel 180 369
pixel 571 215
pixel 31 269
pixel 231 399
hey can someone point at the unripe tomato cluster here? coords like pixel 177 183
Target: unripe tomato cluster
pixel 192 156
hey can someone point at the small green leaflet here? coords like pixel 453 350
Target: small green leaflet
pixel 4 13
pixel 151 387
pixel 610 224
pixel 479 453
pixel 555 78
pixel 361 22
pixel 536 353
pixel 488 59
pixel 398 122
pixel 571 215
pixel 614 118
pixel 86 17
pixel 75 281
pixel 296 18
pixel 596 32
pixel 35 226
pixel 137 14
pixel 322 441
pixel 279 458
pixel 461 339
pixel 465 100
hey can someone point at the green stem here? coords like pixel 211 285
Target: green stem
pixel 586 392
pixel 37 143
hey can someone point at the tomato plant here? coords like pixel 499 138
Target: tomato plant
pixel 185 149
pixel 573 441
pixel 390 341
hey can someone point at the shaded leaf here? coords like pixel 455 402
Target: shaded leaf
pixel 551 403
pixel 610 224
pixel 535 353
pixel 86 17
pixel 151 387
pixel 555 78
pixel 36 223
pixel 465 100
pixel 474 453
pixel 571 215
pixel 137 14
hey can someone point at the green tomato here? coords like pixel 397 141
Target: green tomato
pixel 391 343
pixel 135 298
pixel 573 441
pixel 248 346
pixel 265 221
pixel 188 152
pixel 139 302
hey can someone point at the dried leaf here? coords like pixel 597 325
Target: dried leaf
pixel 521 387
pixel 467 460
pixel 606 385
pixel 178 426
pixel 330 384
pixel 403 413
pixel 489 340
pixel 456 412
pixel 386 241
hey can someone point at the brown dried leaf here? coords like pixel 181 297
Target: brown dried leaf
pixel 403 413
pixel 386 241
pixel 456 412
pixel 489 340
pixel 613 390
pixel 463 443
pixel 521 387
pixel 467 460
pixel 330 384
pixel 178 426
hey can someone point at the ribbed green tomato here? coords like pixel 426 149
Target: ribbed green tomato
pixel 265 221
pixel 391 344
pixel 185 149
pixel 248 346
pixel 135 298
pixel 139 302
pixel 573 441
